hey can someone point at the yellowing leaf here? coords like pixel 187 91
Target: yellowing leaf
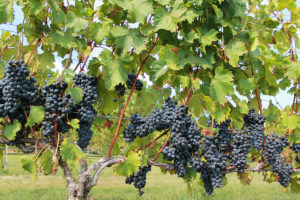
pixel 129 166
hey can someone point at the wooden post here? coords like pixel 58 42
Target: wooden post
pixel 5 166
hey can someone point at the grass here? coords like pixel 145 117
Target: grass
pixel 17 184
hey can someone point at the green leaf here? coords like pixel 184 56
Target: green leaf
pixel 126 38
pixel 76 94
pixel 76 23
pixel 70 152
pixel 207 37
pixel 185 81
pixel 220 113
pixel 164 2
pixel 113 70
pixel 46 162
pixel 140 9
pixel 36 116
pixel 234 50
pixel 64 39
pixel 246 84
pixel 12 129
pixel 69 75
pixel 290 122
pixel 58 15
pixel 74 123
pixel 244 107
pixel 170 57
pixel 129 166
pixel 270 78
pixel 6 11
pixel 221 85
pixel 28 165
pixel 36 6
pixel 164 20
pixel 293 70
pixel 101 30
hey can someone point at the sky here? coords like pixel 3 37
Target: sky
pixel 283 97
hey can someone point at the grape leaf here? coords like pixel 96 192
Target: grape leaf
pixel 70 152
pixel 293 70
pixel 101 30
pixel 77 94
pixel 164 20
pixel 74 123
pixel 6 11
pixel 35 6
pixel 140 9
pixel 46 162
pixel 221 85
pixel 113 70
pixel 76 23
pixel 129 166
pixel 125 38
pixel 58 15
pixel 28 165
pixel 12 129
pixel 36 115
pixel 234 50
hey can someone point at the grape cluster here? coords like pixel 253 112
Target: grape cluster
pixel 84 110
pixel 55 113
pixel 185 135
pixel 142 126
pixel 130 82
pixel 254 124
pixel 185 138
pixel 120 88
pixel 241 146
pixel 139 178
pixel 17 94
pixel 272 149
pixel 214 148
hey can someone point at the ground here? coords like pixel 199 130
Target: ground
pixel 16 184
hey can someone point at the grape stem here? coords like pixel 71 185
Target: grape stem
pixel 154 141
pixel 166 142
pixel 34 48
pixel 129 96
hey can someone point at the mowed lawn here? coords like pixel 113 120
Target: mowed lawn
pixel 17 184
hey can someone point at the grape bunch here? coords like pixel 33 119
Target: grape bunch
pixel 139 178
pixel 130 82
pixel 84 110
pixel 214 148
pixel 254 124
pixel 241 146
pixel 272 149
pixel 56 109
pixel 185 135
pixel 17 94
pixel 120 88
pixel 184 141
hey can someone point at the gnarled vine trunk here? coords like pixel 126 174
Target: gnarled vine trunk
pixel 79 190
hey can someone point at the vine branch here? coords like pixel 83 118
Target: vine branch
pixel 129 96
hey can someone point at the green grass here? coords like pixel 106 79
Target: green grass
pixel 17 184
